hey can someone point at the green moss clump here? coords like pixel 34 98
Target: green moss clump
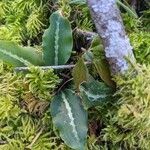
pixel 42 83
pixel 127 119
pixel 21 20
pixel 141 43
pixel 25 121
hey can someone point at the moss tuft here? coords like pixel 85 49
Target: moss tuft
pixel 127 125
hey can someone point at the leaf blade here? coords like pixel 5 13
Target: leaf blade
pixel 19 56
pixel 70 119
pixel 93 93
pixel 57 41
pixel 80 73
pixel 100 61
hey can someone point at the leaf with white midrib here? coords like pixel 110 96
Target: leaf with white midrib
pixel 70 118
pixel 9 54
pixel 94 93
pixel 16 55
pixel 70 114
pixel 57 40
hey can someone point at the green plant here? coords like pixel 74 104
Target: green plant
pixel 70 118
pixel 80 73
pixel 57 46
pixel 131 24
pixel 42 83
pixel 145 18
pixel 19 56
pixel 127 118
pixel 100 62
pixel 22 20
pixel 141 44
pixel 80 15
pixel 128 9
pixel 72 108
pixel 25 122
pixel 57 40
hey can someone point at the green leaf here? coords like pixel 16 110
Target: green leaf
pixel 103 71
pixel 100 61
pixel 19 56
pixel 88 56
pixel 93 93
pixel 70 118
pixel 57 41
pixel 80 73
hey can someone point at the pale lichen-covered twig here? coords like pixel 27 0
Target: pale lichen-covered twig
pixel 109 25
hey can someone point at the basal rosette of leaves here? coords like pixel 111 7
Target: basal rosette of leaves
pixel 127 123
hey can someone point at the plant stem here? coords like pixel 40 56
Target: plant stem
pixel 50 67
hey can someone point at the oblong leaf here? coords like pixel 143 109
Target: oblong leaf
pixel 19 56
pixel 57 41
pixel 93 93
pixel 80 73
pixel 100 61
pixel 102 68
pixel 70 118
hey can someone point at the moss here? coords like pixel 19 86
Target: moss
pixel 42 83
pixel 22 20
pixel 127 124
pixel 25 121
pixel 141 44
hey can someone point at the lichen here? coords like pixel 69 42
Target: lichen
pixel 100 6
pixel 110 27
